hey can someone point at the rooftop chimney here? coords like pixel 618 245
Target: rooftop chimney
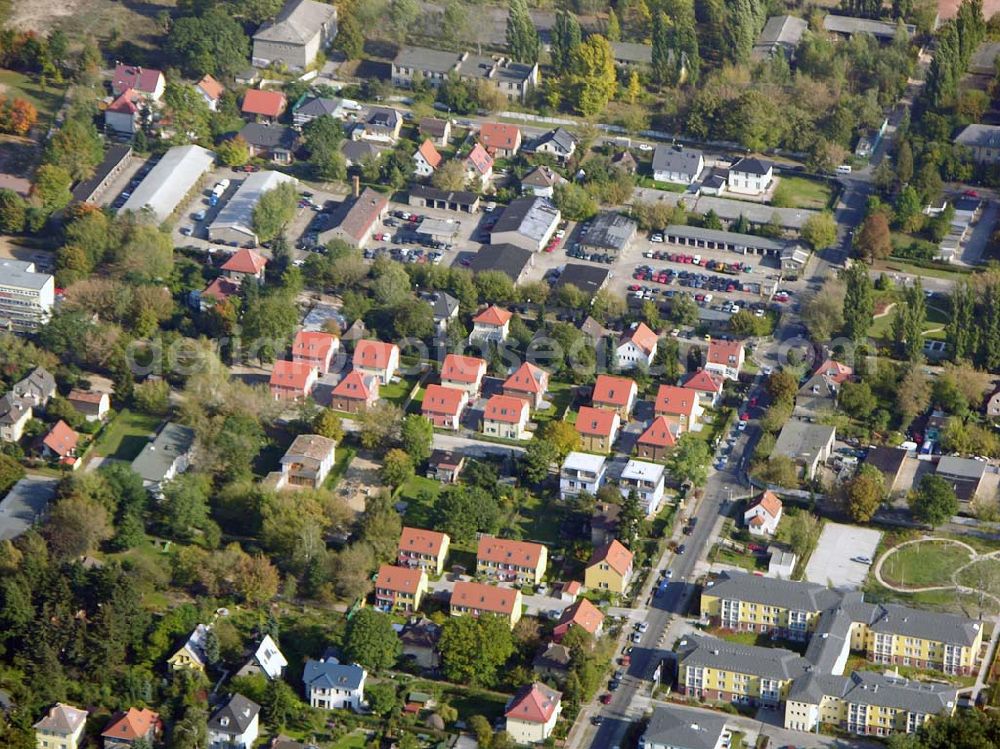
pixel 356 181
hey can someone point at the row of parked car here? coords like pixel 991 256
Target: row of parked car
pixel 668 276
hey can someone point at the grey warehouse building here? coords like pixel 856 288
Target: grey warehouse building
pixel 609 232
pixel 235 222
pixel 528 223
pixel 169 182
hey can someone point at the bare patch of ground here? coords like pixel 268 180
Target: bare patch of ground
pixel 107 20
pixel 360 480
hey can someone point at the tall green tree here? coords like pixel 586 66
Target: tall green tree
pixel 522 36
pixel 371 641
pixel 934 501
pixel 474 650
pixel 566 37
pixel 961 329
pixel 662 52
pixel 908 323
pixel 859 302
pixel 593 75
pixel 274 210
pixel 211 42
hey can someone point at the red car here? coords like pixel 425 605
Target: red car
pixel 744 416
pixel 606 699
pixel 634 287
pixel 753 402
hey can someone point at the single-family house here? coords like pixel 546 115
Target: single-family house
pixel 210 91
pixel 889 461
pixel 583 614
pixel 424 549
pixel 435 128
pixel 510 561
pixel 355 392
pixel 750 176
pixel 292 381
pixel 217 292
pixel 445 466
pixel 36 388
pixel 677 164
pixel 123 114
pixel 426 160
pixel 559 143
pixel 763 514
pixel 708 385
pixel 149 83
pixel 245 265
pixel 400 588
pixel 60 443
pixel 307 461
pixel 309 108
pixel 964 474
pixel 235 725
pixel 300 31
pixel 128 727
pixel 444 309
pixel 276 143
pixel 581 472
pixel 478 167
pixel 553 662
pixel 266 659
pixel 492 325
pixel 376 358
pixel 531 714
pixel 382 125
pixel 167 456
pixel 647 480
pixel 637 347
pixel 191 655
pixel 725 358
pixel 657 440
pixel 358 152
pixel 500 140
pixel 463 373
pixel 61 727
pixel 332 685
pixel 982 140
pixel 610 568
pixel 354 220
pixel 419 639
pixel 529 383
pixel 473 599
pixel 781 35
pixel 315 348
pixel 616 394
pixel 506 417
pixel 681 407
pixel 598 429
pixel 443 406
pixel 261 105
pixel 541 181
pixel 808 445
pixel 14 416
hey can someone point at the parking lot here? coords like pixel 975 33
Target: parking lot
pixel 833 561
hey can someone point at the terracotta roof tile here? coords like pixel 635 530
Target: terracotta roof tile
pixel 355 386
pixel 614 391
pixel 245 261
pixel 641 336
pixel 489 598
pixel 291 375
pixel 508 551
pixel 505 408
pixel 266 103
pixel 493 315
pixel 61 439
pixel 596 421
pixel 430 154
pixel 615 554
pixel 582 614
pixel 535 703
pixel 527 379
pixel 671 399
pixel 398 579
pixel 372 354
pixel 439 399
pixel 421 541
pixel 658 434
pixel 466 369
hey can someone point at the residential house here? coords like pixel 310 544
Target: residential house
pixel 818 394
pixel 354 221
pixel 376 358
pixel 147 82
pixel 725 358
pixel 443 406
pixel 509 561
pixel 36 388
pixel 616 394
pixel 424 549
pixel 473 599
pixel 426 160
pixel 167 456
pixel 983 141
pixel 559 143
pixel 478 167
pixel 463 373
pixel 609 568
pixel 358 152
pixel 308 461
pixel 677 164
pixel 191 655
pixel 382 125
pixel 529 383
pixel 708 385
pixel 400 588
pixel 126 728
pixel 625 162
pixel 261 105
pixel 355 392
pixel 763 515
pixel 217 292
pixel 266 659
pixel 60 728
pixel 210 91
pixel 598 429
pixel 553 663
pixel 245 265
pixel 235 725
pixel 531 714
pixel 419 639
pixel 512 79
pixel 647 480
pixel 435 128
pixel 889 461
pixel 581 472
pixel 604 523
pixel 315 348
pixel 581 614
pixel 750 176
pixel 635 55
pixel 492 325
pixel 60 443
pixel 445 466
pixel 332 685
pixel 964 474
pixel 444 309
pixel 793 260
pixel 92 404
pixel 501 141
pixel 273 142
pixel 658 439
pixel 309 108
pixel 300 31
pixel 808 445
pixel 14 416
pixel 681 407
pixel 506 417
pixel 541 181
pixel 836 371
pixel 637 347
pixel 123 114
pixel 675 728
pixel 292 381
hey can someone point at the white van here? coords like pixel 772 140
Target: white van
pixel 844 169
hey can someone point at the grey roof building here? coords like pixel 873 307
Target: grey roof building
pixel 356 151
pixel 982 140
pixel 116 158
pixel 167 183
pixel 780 34
pixel 587 278
pixel 37 387
pixel 461 201
pixel 234 223
pixel 809 445
pixel 964 474
pixel 677 164
pixel 513 79
pixel 695 651
pixel 673 727
pixel 165 457
pixel 610 232
pixel 235 718
pixel 299 32
pixel 631 53
pixel 717 239
pixel 559 142
pixel 849 26
pixel 527 222
pixel 768 591
pixel 888 460
pixel 506 258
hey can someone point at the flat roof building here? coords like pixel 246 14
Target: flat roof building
pixel 26 296
pixel 610 232
pixel 169 182
pixel 717 239
pixel 587 278
pixel 506 258
pixel 527 222
pixel 234 223
pixel 808 444
pixel 116 158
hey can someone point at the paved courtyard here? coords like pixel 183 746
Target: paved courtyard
pixel 838 544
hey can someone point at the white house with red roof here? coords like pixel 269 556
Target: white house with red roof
pixel 244 265
pixel 528 383
pixel 500 139
pixel 463 373
pixel 532 713
pixel 60 443
pixel 292 380
pixel 582 613
pixel 210 90
pixel 680 405
pixel 355 392
pixel 708 385
pixel 492 325
pixel 479 167
pixel 315 348
pixel 615 393
pixel 147 82
pixel 443 406
pixel 637 347
pixel 835 371
pixel 217 292
pixel 725 358
pixel 424 549
pixel 125 729
pixel 426 160
pixel 122 115
pixel 376 358
pixel 506 417
pixel 658 439
pixel 763 515
pixel 261 105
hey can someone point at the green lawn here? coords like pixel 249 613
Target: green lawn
pixel 749 562
pixel 983 575
pixel 646 181
pixel 126 435
pixel 343 459
pixel 46 100
pixel 396 392
pixel 805 193
pixel 419 493
pixel 540 522
pixel 923 564
pixel 936 320
pixel 560 396
pixel 353 740
pixel 901 266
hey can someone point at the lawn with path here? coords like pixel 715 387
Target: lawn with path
pixel 924 564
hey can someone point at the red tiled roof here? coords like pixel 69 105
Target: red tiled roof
pixel 534 703
pixel 133 725
pixel 266 103
pixel 313 344
pixel 704 382
pixel 212 88
pixel 724 352
pixel 615 554
pixel 507 551
pixel 671 399
pixel 398 579
pixel 467 369
pixel 756 520
pixel 372 354
pixel 291 375
pixel 480 159
pixel 421 541
pixel 61 439
pixel 613 390
pixel 658 434
pixel 505 408
pixel 496 135
pixel 835 371
pixel 430 154
pixel 245 261
pixel 527 379
pixel 493 315
pixel 642 337
pixel 769 501
pixel 221 289
pixel 141 79
pixel 355 385
pixel 582 614
pixel 595 421
pixel 125 104
pixel 489 598
pixel 439 399
pixel 85 396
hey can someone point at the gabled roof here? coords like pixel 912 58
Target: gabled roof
pixel 439 399
pixel 355 385
pixel 39 382
pixel 479 159
pixel 313 343
pixel 466 369
pixel 542 176
pixel 221 289
pixel 62 719
pixel 433 126
pixel 505 408
pixel 613 390
pixel 210 87
pixel 641 336
pixel 330 674
pixel 753 660
pixel 136 77
pixel 596 421
pixel 373 354
pixel 751 165
pixel 508 551
pixel 159 455
pixel 309 447
pixel 789 594
pixel 61 439
pixel 271 137
pixel 126 103
pixel 298 22
pixel 263 102
pixel 430 154
pixel 399 579
pixel 235 716
pixel 769 502
pixel 245 261
pixel 535 703
pixel 527 379
pixel 133 724
pixel 422 541
pixel 668 158
pixel 673 726
pixel 614 554
pixel 582 614
pixel 270 658
pixel 356 217
pixel 498 135
pixel 835 371
pixel 723 352
pixel 493 315
pixel 491 598
pixel 704 382
pixel 560 137
pixel 679 401
pixel 291 374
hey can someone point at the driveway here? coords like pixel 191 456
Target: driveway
pixel 24 504
pixel 831 562
pixel 535 605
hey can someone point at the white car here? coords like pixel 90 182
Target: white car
pixel 655 237
pixel 199 216
pixel 766 371
pixel 742 425
pixel 644 147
